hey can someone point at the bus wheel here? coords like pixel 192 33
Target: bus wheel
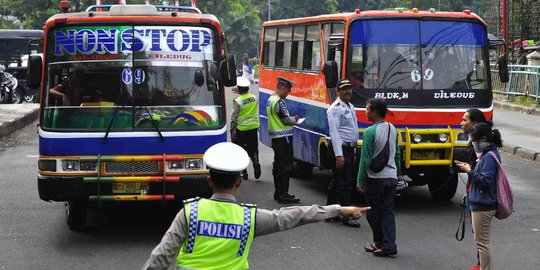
pixel 442 185
pixel 76 214
pixel 302 170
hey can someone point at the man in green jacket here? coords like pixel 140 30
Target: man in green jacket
pixel 379 187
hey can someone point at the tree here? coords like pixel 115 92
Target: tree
pixel 240 22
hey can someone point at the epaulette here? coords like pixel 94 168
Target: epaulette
pixel 191 200
pixel 251 205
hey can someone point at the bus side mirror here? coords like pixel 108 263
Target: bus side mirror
pixel 330 72
pixel 199 78
pixel 34 69
pixel 227 70
pixel 503 68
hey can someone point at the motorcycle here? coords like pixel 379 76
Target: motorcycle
pixel 22 92
pixel 8 84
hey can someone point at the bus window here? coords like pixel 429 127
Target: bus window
pixel 283 50
pixel 269 49
pixel 312 54
pixel 297 52
pixel 453 67
pixel 452 61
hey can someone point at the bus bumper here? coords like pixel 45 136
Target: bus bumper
pixel 69 188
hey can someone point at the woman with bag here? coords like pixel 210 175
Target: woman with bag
pixel 482 189
pixel 470 118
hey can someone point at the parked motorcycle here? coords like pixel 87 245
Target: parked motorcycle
pixel 8 84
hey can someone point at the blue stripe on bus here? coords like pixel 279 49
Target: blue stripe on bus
pixel 407 32
pixel 128 146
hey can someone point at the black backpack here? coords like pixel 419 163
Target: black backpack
pixel 381 160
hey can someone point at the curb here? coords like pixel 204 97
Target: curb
pixel 12 125
pixel 514 149
pixel 515 107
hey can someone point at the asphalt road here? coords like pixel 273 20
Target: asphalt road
pixel 34 234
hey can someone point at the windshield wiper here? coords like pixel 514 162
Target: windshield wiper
pixel 105 138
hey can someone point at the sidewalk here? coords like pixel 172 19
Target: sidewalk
pixel 519 126
pixel 16 116
pixel 520 129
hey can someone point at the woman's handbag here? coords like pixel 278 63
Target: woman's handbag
pixel 505 198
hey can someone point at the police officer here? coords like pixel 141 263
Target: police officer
pixel 217 233
pixel 245 123
pixel 343 127
pixel 280 129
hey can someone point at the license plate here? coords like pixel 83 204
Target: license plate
pixel 421 156
pixel 129 187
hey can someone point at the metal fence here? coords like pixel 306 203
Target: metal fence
pixel 523 81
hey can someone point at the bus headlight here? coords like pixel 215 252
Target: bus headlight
pixel 417 138
pixel 194 164
pixel 443 137
pixel 462 136
pixel 70 165
pixel 176 165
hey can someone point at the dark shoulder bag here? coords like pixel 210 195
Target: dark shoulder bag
pixel 381 160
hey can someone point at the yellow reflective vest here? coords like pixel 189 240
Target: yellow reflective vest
pixel 276 128
pixel 219 235
pixel 248 118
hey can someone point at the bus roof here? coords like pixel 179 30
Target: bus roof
pixel 127 13
pixel 393 14
pixel 20 34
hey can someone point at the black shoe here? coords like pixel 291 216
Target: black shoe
pixel 257 170
pixel 284 199
pixel 381 252
pixel 289 195
pixel 349 222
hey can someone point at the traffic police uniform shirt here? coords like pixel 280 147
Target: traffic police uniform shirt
pixel 343 125
pixel 229 157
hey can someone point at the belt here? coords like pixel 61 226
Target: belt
pixel 350 144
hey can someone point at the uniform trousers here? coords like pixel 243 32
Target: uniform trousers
pixel 380 196
pixel 342 182
pixel 283 163
pixel 249 141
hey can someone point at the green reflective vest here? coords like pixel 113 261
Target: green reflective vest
pixel 219 235
pixel 276 128
pixel 248 118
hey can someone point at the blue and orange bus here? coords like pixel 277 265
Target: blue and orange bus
pixel 429 66
pixel 147 103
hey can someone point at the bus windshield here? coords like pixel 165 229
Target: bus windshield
pixel 132 78
pixel 396 58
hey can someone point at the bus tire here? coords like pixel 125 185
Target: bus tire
pixel 443 185
pixel 76 215
pixel 303 170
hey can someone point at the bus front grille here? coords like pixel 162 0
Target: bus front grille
pixel 131 167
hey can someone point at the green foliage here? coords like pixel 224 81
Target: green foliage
pixel 241 20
